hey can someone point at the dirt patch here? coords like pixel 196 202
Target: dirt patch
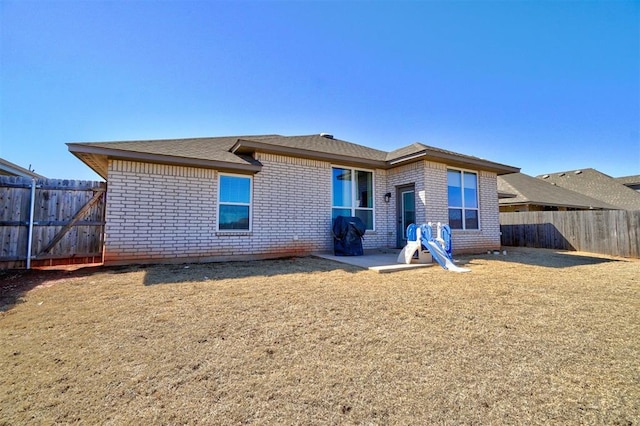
pixel 532 337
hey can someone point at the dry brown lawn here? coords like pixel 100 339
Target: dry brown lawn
pixel 535 337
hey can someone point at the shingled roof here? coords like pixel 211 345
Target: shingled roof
pixel 632 182
pixel 595 184
pixel 527 190
pixel 235 153
pixel 7 168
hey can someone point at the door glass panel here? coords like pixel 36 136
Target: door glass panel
pixel 408 210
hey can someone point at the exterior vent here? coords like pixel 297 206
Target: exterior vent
pixel 562 174
pixel 578 172
pixel 545 177
pixel 326 135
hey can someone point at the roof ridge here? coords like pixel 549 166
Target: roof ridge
pixel 174 139
pixel 226 149
pixel 595 184
pixel 531 187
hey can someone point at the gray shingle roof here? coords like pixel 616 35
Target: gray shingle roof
pixel 7 168
pixel 450 157
pixel 233 152
pixel 215 149
pixel 597 185
pixel 529 190
pixel 406 151
pixel 629 180
pixel 322 144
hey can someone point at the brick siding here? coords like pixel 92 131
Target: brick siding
pixel 488 236
pixel 168 213
pixel 430 180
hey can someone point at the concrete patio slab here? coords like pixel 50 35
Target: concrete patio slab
pixel 380 260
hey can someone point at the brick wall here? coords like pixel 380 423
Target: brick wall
pixel 436 192
pixel 488 236
pixel 292 204
pixel 168 213
pixel 430 181
pixel 307 185
pixel 379 236
pixel 158 212
pixel 404 175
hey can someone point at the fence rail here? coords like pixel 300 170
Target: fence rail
pixel 67 223
pixel 612 232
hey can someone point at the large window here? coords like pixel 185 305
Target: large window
pixel 353 194
pixel 234 203
pixel 463 199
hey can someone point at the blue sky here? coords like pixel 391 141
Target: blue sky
pixel 545 86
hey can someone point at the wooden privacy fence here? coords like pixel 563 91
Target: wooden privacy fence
pixel 65 225
pixel 612 232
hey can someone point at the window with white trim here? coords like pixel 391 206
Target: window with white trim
pixel 352 194
pixel 234 202
pixel 462 189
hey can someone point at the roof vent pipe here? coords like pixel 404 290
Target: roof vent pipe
pixel 326 135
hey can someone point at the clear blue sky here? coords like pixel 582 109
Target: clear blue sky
pixel 545 86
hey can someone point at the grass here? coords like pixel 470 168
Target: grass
pixel 535 337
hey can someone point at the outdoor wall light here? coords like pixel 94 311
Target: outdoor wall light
pixel 387 197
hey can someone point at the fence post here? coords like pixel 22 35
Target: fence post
pixel 31 213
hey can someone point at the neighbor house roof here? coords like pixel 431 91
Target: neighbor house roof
pixel 235 153
pixel 629 181
pixel 525 189
pixel 7 168
pixel 597 185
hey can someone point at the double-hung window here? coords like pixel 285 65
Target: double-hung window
pixel 234 202
pixel 463 199
pixel 352 194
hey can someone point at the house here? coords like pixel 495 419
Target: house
pixel 632 182
pixel 7 168
pixel 595 184
pixel 250 197
pixel 518 192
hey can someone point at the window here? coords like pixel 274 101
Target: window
pixel 353 194
pixel 234 203
pixel 463 199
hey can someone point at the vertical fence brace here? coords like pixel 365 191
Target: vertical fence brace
pixel 31 214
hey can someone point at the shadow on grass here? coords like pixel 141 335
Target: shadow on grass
pixel 198 272
pixel 548 258
pixel 15 283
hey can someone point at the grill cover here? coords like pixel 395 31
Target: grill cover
pixel 347 236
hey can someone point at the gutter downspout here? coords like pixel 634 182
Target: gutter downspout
pixel 31 213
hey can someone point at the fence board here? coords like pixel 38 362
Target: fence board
pixel 57 202
pixel 612 232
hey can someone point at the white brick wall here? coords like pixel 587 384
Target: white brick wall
pixel 163 213
pixel 304 222
pixel 158 212
pixel 430 181
pixel 488 237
